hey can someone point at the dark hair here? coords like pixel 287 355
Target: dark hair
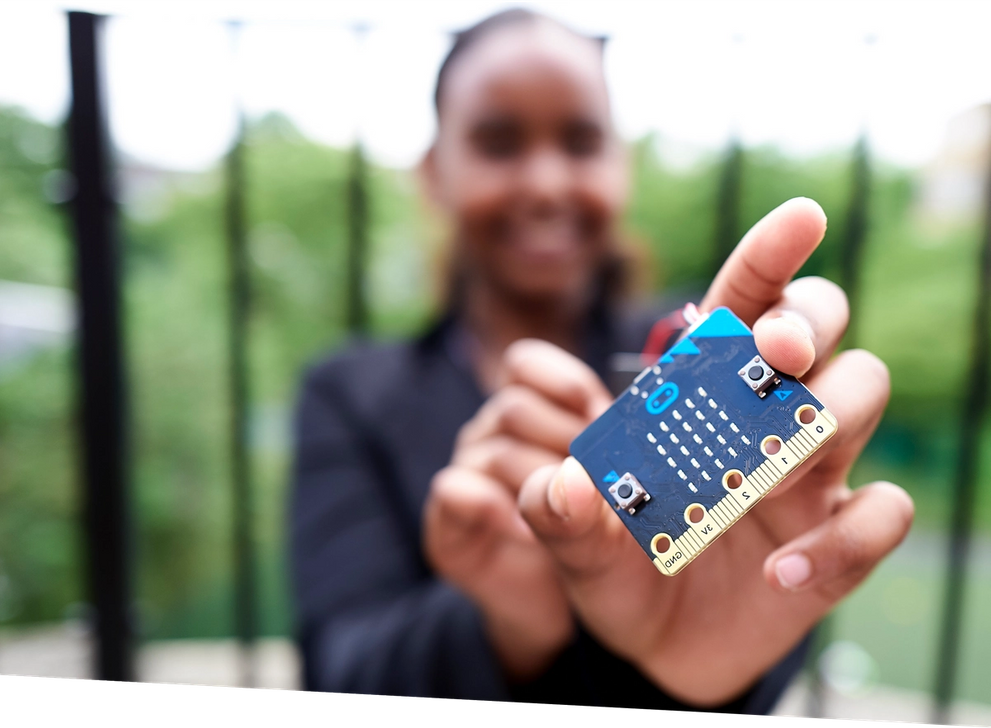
pixel 465 39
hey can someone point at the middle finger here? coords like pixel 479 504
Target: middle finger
pixel 506 459
pixel 522 413
pixel 800 332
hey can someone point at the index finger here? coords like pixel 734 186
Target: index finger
pixel 561 377
pixel 767 258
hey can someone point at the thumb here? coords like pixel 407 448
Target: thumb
pixel 569 515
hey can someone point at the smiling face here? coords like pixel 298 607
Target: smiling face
pixel 526 162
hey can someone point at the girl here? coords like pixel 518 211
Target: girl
pixel 416 571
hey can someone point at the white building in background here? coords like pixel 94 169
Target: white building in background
pixel 953 184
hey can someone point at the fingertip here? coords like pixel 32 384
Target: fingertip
pixel 572 470
pixel 872 366
pixel 518 351
pixel 786 344
pixel 468 500
pixel 570 488
pixel 560 500
pixel 557 495
pixel 580 489
pixel 598 403
pixel 536 489
pixel 809 208
pixel 904 503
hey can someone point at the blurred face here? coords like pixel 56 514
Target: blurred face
pixel 526 162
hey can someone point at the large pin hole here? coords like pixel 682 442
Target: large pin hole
pixel 661 544
pixel 807 414
pixel 696 513
pixel 771 445
pixel 733 479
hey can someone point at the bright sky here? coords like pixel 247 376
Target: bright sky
pixel 798 74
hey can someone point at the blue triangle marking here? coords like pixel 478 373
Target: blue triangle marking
pixel 666 359
pixel 721 322
pixel 685 346
pixel 611 477
pixel 783 394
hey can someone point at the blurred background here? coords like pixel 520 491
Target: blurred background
pixel 267 207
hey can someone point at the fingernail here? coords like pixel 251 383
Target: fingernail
pixel 557 496
pixel 793 571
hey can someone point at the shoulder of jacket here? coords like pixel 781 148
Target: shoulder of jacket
pixel 360 364
pixel 368 377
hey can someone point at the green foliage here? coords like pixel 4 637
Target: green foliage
pixel 32 248
pixel 670 212
pixel 39 558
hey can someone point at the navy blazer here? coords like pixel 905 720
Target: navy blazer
pixel 373 425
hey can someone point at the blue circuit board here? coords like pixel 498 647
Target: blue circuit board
pixel 699 438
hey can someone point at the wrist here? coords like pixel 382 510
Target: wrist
pixel 525 650
pixel 703 692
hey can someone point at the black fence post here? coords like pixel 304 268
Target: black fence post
pixel 357 251
pixel 239 302
pixel 851 254
pixel 727 233
pixel 974 403
pixel 100 361
pixel 852 248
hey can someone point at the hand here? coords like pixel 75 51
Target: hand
pixel 473 534
pixel 709 633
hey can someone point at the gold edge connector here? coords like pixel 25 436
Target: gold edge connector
pixel 743 496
